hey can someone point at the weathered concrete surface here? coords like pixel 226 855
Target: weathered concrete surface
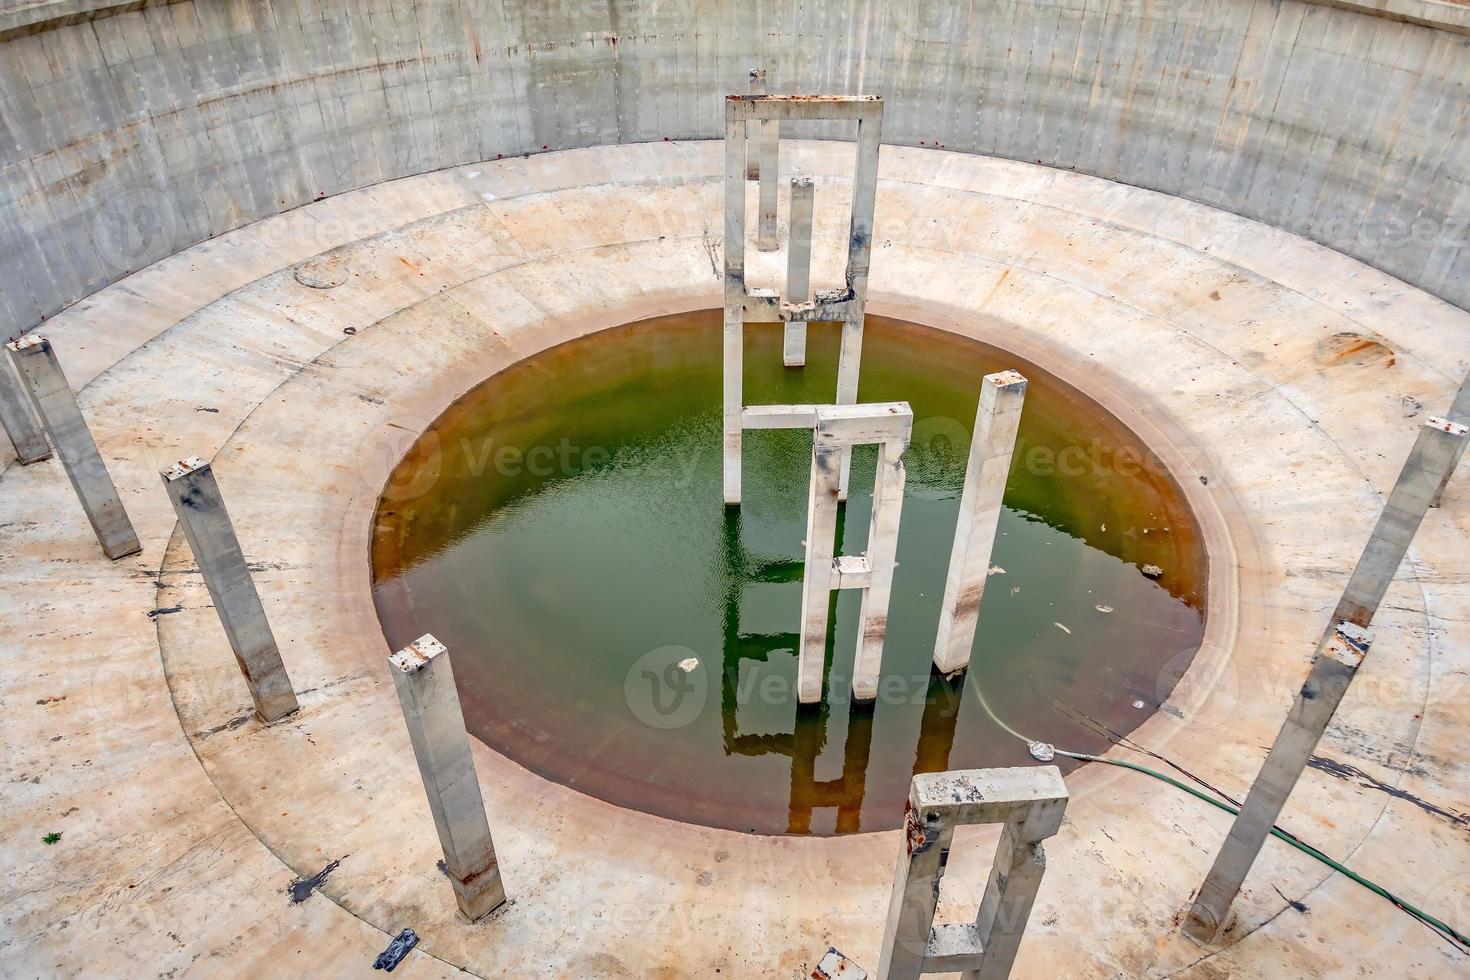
pixel 988 469
pixel 131 136
pixel 251 366
pixel 205 521
pixel 54 404
pixel 423 675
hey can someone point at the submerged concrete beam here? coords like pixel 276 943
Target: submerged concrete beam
pixel 1339 652
pixel 997 420
pixel 20 425
pixel 201 510
pixel 1333 667
pixel 1030 802
pixel 798 269
pixel 425 683
pixel 35 362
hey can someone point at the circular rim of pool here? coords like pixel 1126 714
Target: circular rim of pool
pixel 1156 431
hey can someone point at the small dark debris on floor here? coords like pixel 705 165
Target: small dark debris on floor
pixel 155 613
pixel 389 958
pixel 300 889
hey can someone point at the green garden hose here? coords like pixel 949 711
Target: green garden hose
pixel 1438 926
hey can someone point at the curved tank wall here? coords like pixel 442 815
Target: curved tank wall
pixel 128 132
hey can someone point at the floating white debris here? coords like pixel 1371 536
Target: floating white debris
pixel 1102 608
pixel 997 570
pixel 1015 590
pixel 1041 751
pixel 1138 704
pixel 1104 527
pixel 688 664
pixel 1152 571
pixel 1062 628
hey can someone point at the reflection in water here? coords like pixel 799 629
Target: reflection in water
pixel 617 629
pixel 808 736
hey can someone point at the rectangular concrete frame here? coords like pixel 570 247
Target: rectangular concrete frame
pixel 1030 802
pixel 1344 644
pixel 1459 413
pixel 55 405
pixel 431 710
pixel 838 428
pixel 798 269
pixel 847 305
pixel 992 445
pixel 201 510
pixel 25 433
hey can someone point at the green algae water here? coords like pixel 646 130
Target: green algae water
pixel 615 628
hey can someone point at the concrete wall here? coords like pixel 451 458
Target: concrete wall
pixel 130 132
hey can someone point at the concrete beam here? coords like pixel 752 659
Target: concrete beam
pixel 1437 450
pixel 859 260
pixel 51 397
pixel 882 557
pixel 997 420
pixel 1333 667
pixel 1459 413
pixel 768 202
pixel 1030 802
pixel 742 304
pixel 839 428
pixel 1339 652
pixel 798 268
pixel 25 433
pixel 201 510
pixel 431 710
pixel 817 579
pixel 757 86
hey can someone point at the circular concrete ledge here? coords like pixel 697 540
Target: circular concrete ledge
pixel 1256 364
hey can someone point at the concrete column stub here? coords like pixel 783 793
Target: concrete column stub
pixel 56 406
pixel 200 507
pixel 993 443
pixel 424 680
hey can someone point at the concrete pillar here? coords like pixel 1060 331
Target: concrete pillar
pixel 35 362
pixel 201 510
pixel 846 305
pixel 1333 667
pixel 753 128
pixel 1436 451
pixel 1460 414
pixel 837 428
pixel 816 583
pixel 997 419
pixel 798 268
pixel 1029 802
pixel 19 424
pixel 888 484
pixel 734 322
pixel 1339 652
pixel 430 701
pixel 859 260
pixel 769 149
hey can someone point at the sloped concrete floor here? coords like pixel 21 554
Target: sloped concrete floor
pixel 1291 378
